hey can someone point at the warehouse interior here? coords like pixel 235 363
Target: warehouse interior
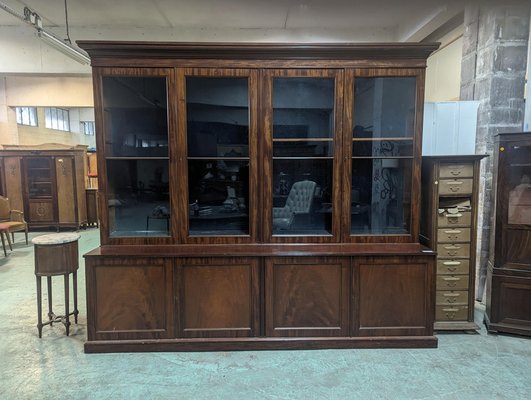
pixel 47 101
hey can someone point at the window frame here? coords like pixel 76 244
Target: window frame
pixel 57 119
pixel 32 112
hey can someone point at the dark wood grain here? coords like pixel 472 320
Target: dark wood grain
pixel 258 291
pixel 131 299
pixel 509 270
pixel 404 307
pixel 307 296
pixel 397 342
pixel 218 297
pixel 252 51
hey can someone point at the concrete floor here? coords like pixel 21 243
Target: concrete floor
pixel 465 366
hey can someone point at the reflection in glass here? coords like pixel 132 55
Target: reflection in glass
pixel 380 196
pixel 217 111
pixel 219 197
pixel 382 148
pixel 302 197
pixel 384 107
pixel 519 183
pixel 136 116
pixel 138 198
pixel 303 108
pixel 303 149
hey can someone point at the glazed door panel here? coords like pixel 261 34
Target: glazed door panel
pixel 393 296
pixel 302 155
pixel 132 299
pixel 66 195
pixel 218 297
pixel 307 297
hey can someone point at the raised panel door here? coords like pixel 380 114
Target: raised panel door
pixel 307 296
pixel 131 299
pixel 393 296
pixel 66 195
pixel 218 297
pixel 13 182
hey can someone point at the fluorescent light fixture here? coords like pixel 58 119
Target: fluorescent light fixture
pixel 62 46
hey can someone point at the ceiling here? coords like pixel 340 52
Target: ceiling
pixel 406 20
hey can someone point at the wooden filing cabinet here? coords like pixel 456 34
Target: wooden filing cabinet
pixel 449 226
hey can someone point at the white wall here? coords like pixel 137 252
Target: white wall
pixel 443 75
pixel 49 91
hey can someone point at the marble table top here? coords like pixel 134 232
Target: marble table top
pixel 56 238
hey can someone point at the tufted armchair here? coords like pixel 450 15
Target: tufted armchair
pixel 299 201
pixel 14 219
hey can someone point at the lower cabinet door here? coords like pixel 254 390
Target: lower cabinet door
pixel 393 296
pixel 307 296
pixel 217 297
pixel 41 211
pixel 129 298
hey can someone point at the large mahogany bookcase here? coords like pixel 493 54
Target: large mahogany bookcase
pixel 258 196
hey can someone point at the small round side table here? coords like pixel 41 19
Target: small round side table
pixel 56 254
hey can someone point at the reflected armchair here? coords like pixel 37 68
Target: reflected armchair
pixel 299 201
pixel 13 218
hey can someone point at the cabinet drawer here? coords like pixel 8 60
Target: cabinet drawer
pixel 452 267
pixel 453 235
pixel 453 250
pixel 451 313
pixel 458 218
pixel 456 171
pixel 452 282
pixel 450 297
pixel 455 186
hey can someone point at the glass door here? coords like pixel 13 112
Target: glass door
pixel 301 160
pixel 515 183
pixel 383 131
pixel 136 151
pixel 221 137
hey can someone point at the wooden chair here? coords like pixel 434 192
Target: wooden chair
pixel 4 230
pixel 13 218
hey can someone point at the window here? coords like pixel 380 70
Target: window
pixel 57 118
pixel 26 116
pixel 88 128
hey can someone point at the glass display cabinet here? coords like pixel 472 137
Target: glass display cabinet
pixel 509 268
pixel 259 196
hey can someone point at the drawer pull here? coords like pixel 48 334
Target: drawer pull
pixel 454 215
pixel 450 312
pixel 451 282
pixel 452 263
pixel 453 231
pixel 451 295
pixel 456 172
pixel 454 183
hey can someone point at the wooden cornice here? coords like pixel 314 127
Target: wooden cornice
pixel 263 51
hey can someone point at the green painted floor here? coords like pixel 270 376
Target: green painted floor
pixel 465 366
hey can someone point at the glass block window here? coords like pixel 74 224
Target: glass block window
pixel 26 116
pixel 57 118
